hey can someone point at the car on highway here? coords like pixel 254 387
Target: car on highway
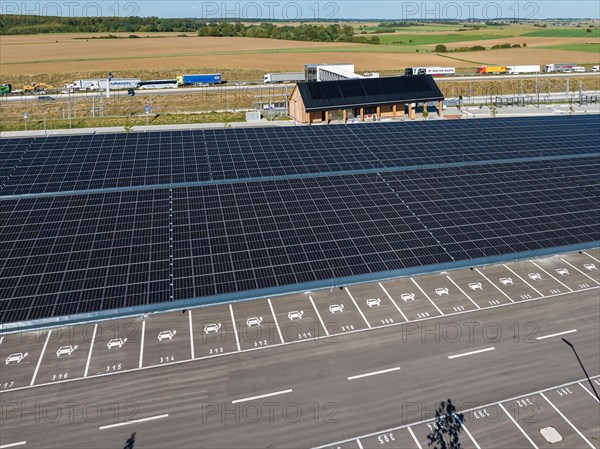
pixel 535 276
pixel 334 308
pixel 212 328
pixel 254 321
pixel 407 297
pixel 374 302
pixel 66 350
pixel 295 314
pixel 166 335
pixel 116 343
pixel 562 271
pixel 45 98
pixel 442 291
pixel 16 357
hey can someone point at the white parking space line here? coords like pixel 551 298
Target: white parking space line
pixel 37 367
pixel 89 357
pixel 543 337
pixel 589 392
pixel 463 292
pixel 18 443
pixel 393 302
pixel 360 446
pixel 582 272
pixel 357 308
pixel 192 350
pixel 517 424
pixel 135 421
pixel 268 395
pixel 412 434
pixel 319 315
pixel 590 256
pixel 555 278
pixel 374 373
pixel 237 338
pixel 275 318
pixel 1 340
pixel 497 288
pixel 427 296
pixel 142 343
pixel 464 354
pixel 531 286
pixel 470 436
pixel 568 422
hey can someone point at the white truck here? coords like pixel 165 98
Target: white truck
pixel 283 77
pixel 559 68
pixel 596 68
pixel 517 69
pixel 435 71
pixel 100 84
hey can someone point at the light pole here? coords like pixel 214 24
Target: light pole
pixel 110 76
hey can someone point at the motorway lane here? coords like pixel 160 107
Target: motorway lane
pixel 194 394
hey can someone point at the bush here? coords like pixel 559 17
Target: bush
pixel 524 45
pixel 477 48
pixel 441 48
pixel 516 46
pixel 133 36
pixel 589 30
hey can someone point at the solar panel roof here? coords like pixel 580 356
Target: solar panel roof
pixel 86 221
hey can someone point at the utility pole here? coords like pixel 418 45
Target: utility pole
pixel 69 109
pixel 110 76
pixel 45 127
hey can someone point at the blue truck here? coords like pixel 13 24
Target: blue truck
pixel 202 79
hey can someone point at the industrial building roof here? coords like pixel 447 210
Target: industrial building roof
pixel 368 92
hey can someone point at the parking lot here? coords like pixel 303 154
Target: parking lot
pixel 567 416
pixel 107 347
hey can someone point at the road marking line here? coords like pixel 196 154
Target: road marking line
pixel 275 318
pixel 143 338
pixel 589 255
pixel 358 308
pixel 359 444
pixel 268 395
pixel 18 443
pixel 374 373
pixel 556 335
pixel 89 357
pixel 319 315
pixel 582 272
pixel 518 426
pixel 530 286
pixel 464 354
pixel 463 292
pixel 135 421
pixel 37 367
pixel 568 422
pixel 427 296
pixel 192 350
pixel 393 302
pixel 470 436
pixel 589 392
pixel 556 279
pixel 414 438
pixel 497 288
pixel 1 339
pixel 237 338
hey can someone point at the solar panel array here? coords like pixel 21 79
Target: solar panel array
pixel 97 223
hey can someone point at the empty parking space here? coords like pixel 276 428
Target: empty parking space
pixel 338 311
pixel 585 264
pixel 255 324
pixel 479 289
pixel 509 281
pixel 410 299
pixel 396 439
pixel 544 426
pixel 593 253
pixel 445 294
pixel 297 318
pixel 376 306
pixel 492 427
pixel 166 339
pixel 213 331
pixel 422 430
pixel 116 346
pixel 19 355
pixel 580 408
pixel 565 273
pixel 538 279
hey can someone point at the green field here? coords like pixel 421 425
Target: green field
pixel 591 47
pixel 420 39
pixel 564 32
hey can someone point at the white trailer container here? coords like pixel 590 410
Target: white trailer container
pixel 435 71
pixel 100 83
pixel 559 67
pixel 313 72
pixel 283 77
pixel 516 69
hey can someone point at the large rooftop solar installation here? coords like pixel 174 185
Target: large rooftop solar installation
pixel 126 223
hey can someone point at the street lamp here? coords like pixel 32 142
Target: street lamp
pixel 110 76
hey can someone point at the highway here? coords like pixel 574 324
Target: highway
pixel 339 387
